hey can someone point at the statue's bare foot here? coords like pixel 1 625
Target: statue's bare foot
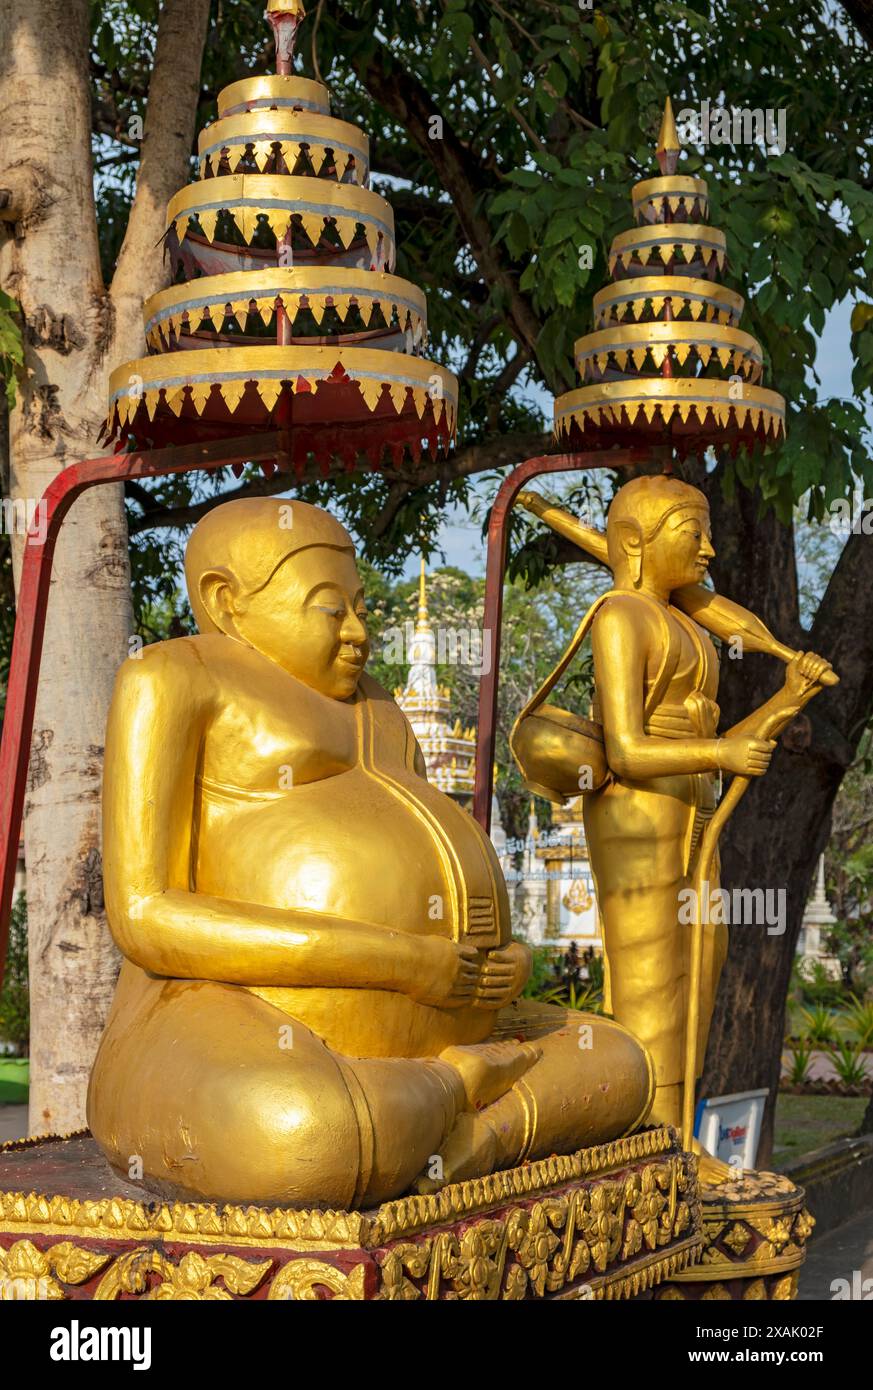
pixel 469 1151
pixel 488 1070
pixel 712 1171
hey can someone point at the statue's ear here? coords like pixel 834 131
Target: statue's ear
pixel 630 535
pixel 220 596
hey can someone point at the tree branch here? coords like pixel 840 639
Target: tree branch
pixel 480 337
pixel 401 94
pixel 501 452
pixel 497 452
pixel 167 139
pixel 861 14
pixel 156 517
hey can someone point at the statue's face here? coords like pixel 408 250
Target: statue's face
pixel 311 620
pixel 681 551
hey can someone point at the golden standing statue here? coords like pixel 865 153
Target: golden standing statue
pixel 649 807
pixel 316 1005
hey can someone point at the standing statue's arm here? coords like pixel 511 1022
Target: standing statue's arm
pixel 160 708
pixel 805 676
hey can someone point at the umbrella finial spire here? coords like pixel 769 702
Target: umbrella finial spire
pixel 284 18
pixel 668 147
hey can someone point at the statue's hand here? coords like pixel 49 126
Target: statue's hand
pixel 746 757
pixel 504 975
pixel 804 671
pixel 446 973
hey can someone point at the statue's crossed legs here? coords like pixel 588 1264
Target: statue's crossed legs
pixel 252 1120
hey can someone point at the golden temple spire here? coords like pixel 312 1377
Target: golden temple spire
pixel 668 147
pixel 422 594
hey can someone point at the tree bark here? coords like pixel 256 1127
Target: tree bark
pixel 75 331
pixel 782 824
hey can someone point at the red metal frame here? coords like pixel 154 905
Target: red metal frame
pixel 498 525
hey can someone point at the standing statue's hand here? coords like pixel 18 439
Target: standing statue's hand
pixel 446 973
pixel 804 671
pixel 746 757
pixel 504 975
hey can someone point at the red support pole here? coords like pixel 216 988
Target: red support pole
pixel 32 602
pixel 486 739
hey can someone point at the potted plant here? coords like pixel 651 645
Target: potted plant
pixel 15 1012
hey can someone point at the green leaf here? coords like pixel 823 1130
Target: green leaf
pixel 821 288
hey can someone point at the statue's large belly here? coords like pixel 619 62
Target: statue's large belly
pixel 349 846
pixel 356 848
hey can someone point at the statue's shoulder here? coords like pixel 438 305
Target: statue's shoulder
pixel 186 662
pixel 621 611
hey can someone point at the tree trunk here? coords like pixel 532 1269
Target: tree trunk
pixel 782 824
pixel 75 331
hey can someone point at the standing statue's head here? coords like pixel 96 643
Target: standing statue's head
pixel 280 576
pixel 658 534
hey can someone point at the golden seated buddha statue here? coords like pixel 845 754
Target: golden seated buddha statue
pixel 319 1001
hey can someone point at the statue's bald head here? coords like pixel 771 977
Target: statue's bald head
pixel 650 500
pixel 652 523
pixel 249 539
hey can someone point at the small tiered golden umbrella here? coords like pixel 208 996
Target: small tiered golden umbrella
pixel 667 362
pixel 285 313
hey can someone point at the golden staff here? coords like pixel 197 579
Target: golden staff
pixel 726 620
pixel 708 845
pixel 719 615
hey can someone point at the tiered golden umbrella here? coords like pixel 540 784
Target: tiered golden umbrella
pixel 667 362
pixel 285 313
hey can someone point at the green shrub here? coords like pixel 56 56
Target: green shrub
pixel 850 1064
pixel 820 1027
pixel 814 986
pixel 859 1020
pixel 568 980
pixel 801 1056
pixel 542 975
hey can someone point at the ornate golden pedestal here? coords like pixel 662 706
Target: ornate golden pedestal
pixel 611 1222
pixel 755 1234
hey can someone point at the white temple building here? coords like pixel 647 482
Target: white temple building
pixel 818 918
pixel 449 751
pixel 550 884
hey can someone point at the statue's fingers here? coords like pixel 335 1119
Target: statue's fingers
pixel 462 992
pixel 823 672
